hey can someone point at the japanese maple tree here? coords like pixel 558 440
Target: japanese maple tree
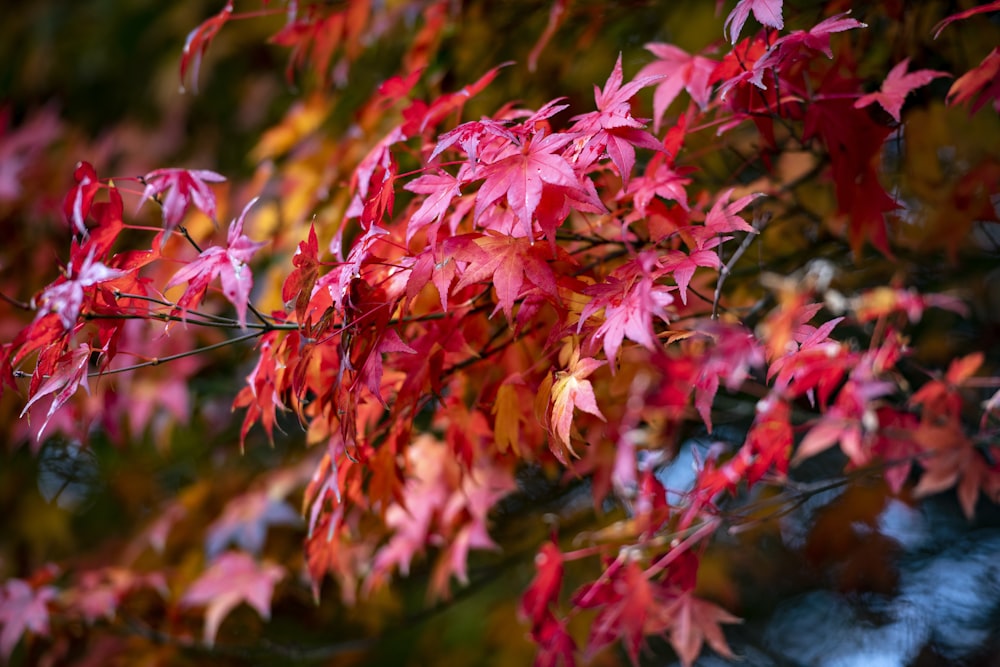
pixel 430 297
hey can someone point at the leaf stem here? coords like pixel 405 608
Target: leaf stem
pixel 14 302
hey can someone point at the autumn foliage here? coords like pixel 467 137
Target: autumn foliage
pixel 433 305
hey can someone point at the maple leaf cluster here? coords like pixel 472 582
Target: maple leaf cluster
pixel 532 289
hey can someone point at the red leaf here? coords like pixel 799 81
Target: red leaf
pixel 299 283
pixel 682 265
pixel 69 374
pixel 897 85
pixel 853 141
pixel 183 187
pixel 314 37
pixel 453 102
pixel 505 262
pixel 627 602
pixel 544 588
pixel 949 457
pixel 770 440
pixel 695 622
pixel 197 43
pixel 234 578
pixel 109 225
pixel 979 85
pixel 961 16
pixel 370 375
pixel 262 395
pixel 42 334
pixel 76 205
pixel 895 445
pixel 229 264
pixel 555 644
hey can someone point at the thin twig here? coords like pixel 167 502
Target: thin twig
pixel 180 355
pixel 758 223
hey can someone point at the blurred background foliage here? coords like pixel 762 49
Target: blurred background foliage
pixel 98 80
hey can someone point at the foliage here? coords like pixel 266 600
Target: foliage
pixel 443 308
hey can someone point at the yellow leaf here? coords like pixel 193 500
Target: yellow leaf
pixel 507 411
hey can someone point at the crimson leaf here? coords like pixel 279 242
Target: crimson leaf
pixel 182 187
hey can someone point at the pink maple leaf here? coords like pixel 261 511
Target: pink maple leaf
pixel 469 507
pixel 817 37
pixel 410 525
pixel 897 85
pixel 520 173
pixel 734 353
pixel 697 621
pixel 853 415
pixel 792 47
pixel 246 520
pixel 613 107
pixel 768 12
pixel 98 594
pixel 20 148
pixel 676 70
pixel 182 187
pixel 722 217
pixel 682 265
pixel 612 127
pixel 661 179
pixel 440 189
pixel 66 298
pixel 22 608
pixel 630 303
pixel 470 135
pixel 229 264
pixel 233 578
